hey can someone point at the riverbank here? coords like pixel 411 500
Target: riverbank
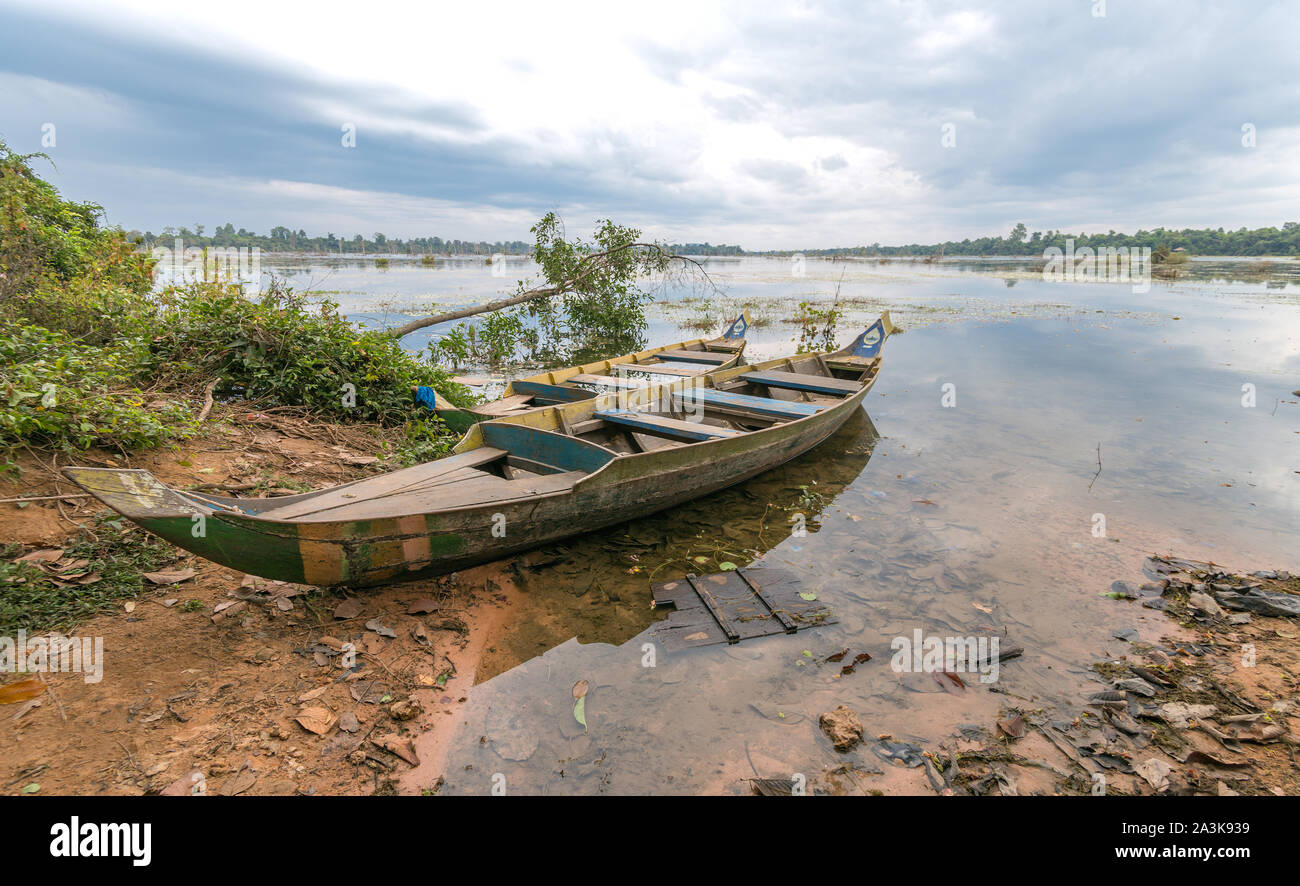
pixel 213 671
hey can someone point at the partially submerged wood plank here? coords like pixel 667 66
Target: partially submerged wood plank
pixel 706 597
pixel 753 601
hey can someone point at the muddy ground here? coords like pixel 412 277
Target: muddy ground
pixel 230 685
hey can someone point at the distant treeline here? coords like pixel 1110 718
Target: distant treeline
pixel 1206 241
pixel 282 239
pixel 708 249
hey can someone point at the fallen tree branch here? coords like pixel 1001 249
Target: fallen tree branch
pixel 590 264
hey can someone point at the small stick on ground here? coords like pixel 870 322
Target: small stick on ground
pixel 1098 474
pixel 42 498
pixel 49 690
pixel 207 398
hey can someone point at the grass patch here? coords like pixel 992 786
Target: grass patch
pixel 33 599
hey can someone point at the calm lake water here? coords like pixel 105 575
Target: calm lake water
pixel 957 520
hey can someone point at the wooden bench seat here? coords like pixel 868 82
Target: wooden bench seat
pixel 450 470
pixel 660 426
pixel 668 367
pixel 608 381
pixel 506 405
pixel 694 356
pixel 764 406
pixel 799 381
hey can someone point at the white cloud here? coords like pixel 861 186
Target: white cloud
pixel 802 125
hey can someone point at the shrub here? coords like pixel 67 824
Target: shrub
pixel 280 349
pixel 44 237
pixel 62 393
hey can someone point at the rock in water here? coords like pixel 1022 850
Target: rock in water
pixel 843 727
pixel 1205 603
pixel 512 737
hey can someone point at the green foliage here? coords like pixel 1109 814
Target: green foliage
pixel 280 349
pixel 118 553
pixel 424 440
pixel 497 336
pixel 1198 241
pixel 55 391
pixel 595 304
pixel 283 239
pixel 454 345
pixel 58 267
pixel 817 326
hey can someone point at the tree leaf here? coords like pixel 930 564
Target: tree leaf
pixel 21 691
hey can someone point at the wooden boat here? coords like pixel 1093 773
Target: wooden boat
pixel 518 482
pixel 685 359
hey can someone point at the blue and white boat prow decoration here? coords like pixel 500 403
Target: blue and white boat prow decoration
pixel 865 348
pixel 738 327
pixel 868 344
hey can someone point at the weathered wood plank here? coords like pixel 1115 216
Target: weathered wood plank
pixel 760 405
pixel 546 447
pixel 671 367
pixel 506 405
pixel 728 607
pixel 485 490
pixel 609 381
pixel 664 427
pixel 695 356
pixel 385 485
pixel 804 382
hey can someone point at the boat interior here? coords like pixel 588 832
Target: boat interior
pixel 682 360
pixel 551 450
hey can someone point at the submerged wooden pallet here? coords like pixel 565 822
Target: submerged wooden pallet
pixel 732 606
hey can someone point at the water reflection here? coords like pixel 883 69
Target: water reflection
pixel 596 588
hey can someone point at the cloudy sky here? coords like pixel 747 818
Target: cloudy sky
pixel 800 126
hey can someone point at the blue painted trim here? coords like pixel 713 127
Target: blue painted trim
pixel 548 395
pixel 558 450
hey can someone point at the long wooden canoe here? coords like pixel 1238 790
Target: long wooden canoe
pixel 685 359
pixel 519 482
